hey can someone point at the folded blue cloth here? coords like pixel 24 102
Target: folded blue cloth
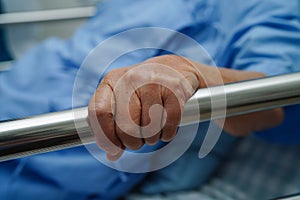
pixel 252 35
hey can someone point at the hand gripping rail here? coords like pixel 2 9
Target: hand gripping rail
pixel 54 131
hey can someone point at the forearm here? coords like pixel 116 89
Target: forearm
pixel 244 124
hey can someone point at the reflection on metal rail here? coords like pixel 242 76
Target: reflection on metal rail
pixel 46 15
pixel 56 131
pixel 290 197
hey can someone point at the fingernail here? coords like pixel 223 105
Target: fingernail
pixel 113 157
pixel 115 151
pixel 151 143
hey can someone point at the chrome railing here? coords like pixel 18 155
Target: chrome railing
pixel 56 131
pixel 46 15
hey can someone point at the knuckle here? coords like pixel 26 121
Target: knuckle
pixel 112 72
pixel 111 76
pixel 167 136
pixel 132 143
pixel 170 127
pixel 103 113
pixel 101 144
pixel 91 108
pixel 132 76
pixel 176 95
pixel 152 140
pixel 183 90
pixel 108 145
pixel 188 88
pixel 163 58
pixel 128 130
pixel 135 146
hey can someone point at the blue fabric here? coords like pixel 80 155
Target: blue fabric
pixel 253 35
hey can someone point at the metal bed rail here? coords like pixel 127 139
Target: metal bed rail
pixel 54 131
pixel 46 15
pixel 290 197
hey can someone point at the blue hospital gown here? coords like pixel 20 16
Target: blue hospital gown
pixel 253 35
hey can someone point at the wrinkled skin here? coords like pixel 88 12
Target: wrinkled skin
pixel 169 81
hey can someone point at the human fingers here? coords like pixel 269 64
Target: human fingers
pixel 152 113
pixel 127 117
pixel 101 118
pixel 173 110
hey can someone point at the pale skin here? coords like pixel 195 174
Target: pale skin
pixel 105 111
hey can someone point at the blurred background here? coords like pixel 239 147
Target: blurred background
pixel 55 18
pixel 25 23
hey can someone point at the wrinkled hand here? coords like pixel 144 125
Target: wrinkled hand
pixel 141 104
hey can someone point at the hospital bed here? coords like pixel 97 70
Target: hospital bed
pixel 59 130
pixel 56 131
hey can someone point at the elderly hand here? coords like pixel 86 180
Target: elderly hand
pixel 154 92
pixel 142 104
